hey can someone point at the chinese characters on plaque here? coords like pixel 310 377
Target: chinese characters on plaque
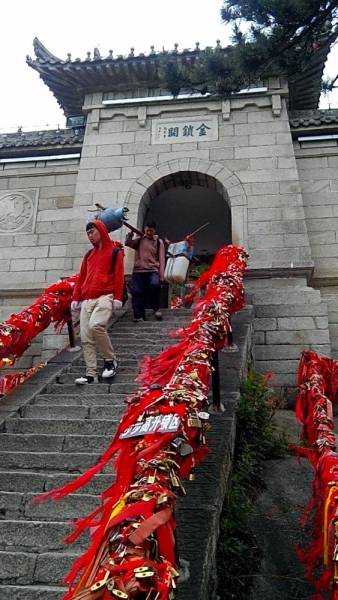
pixel 163 423
pixel 180 130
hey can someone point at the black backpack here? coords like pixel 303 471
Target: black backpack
pixel 113 263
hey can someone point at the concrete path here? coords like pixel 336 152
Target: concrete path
pixel 275 523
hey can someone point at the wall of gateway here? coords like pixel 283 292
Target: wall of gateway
pixel 317 162
pixel 36 208
pixel 240 153
pixel 131 156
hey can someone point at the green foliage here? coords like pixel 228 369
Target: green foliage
pixel 197 270
pixel 238 556
pixel 269 36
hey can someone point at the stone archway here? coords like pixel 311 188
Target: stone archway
pixel 211 176
pixel 188 202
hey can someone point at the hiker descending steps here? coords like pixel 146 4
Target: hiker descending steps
pixel 99 292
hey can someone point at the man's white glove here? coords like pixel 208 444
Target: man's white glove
pixel 75 305
pixel 117 304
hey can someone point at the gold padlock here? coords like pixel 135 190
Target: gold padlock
pixel 120 594
pixel 101 583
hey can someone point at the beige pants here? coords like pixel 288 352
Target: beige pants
pixel 93 321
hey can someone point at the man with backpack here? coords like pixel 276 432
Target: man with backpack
pixel 148 271
pixel 99 292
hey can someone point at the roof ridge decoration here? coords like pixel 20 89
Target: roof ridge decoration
pixel 42 52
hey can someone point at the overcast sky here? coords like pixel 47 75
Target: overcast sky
pixel 77 27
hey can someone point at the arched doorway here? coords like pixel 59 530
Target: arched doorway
pixel 182 203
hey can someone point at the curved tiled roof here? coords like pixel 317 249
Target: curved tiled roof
pixel 69 80
pixel 33 142
pixel 311 118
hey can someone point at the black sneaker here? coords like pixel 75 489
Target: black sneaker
pixel 110 368
pixel 86 379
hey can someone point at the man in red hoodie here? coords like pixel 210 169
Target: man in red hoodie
pixel 98 291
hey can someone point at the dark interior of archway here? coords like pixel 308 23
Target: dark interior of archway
pixel 182 209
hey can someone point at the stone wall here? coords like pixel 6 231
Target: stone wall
pixel 317 162
pixel 36 206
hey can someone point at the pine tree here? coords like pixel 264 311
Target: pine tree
pixel 269 37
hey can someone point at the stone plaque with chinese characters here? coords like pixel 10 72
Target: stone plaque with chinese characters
pixel 181 130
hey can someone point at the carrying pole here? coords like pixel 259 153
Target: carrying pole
pixel 199 229
pixel 133 229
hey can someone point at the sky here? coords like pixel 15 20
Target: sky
pixel 77 27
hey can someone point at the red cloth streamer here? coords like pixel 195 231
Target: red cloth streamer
pixel 17 333
pixel 317 380
pixel 160 438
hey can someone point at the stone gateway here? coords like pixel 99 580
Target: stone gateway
pixel 260 167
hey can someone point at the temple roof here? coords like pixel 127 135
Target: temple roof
pixel 34 143
pixel 313 122
pixel 69 80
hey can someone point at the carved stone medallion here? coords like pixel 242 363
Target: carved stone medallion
pixel 17 211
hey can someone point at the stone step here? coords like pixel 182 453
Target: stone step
pixel 146 329
pixel 127 362
pixel 130 330
pixel 57 411
pixel 72 462
pixel 15 505
pixel 61 426
pixel 37 536
pixel 37 483
pixel 43 442
pixel 123 369
pixel 76 372
pixel 59 435
pixel 81 399
pixel 168 315
pixel 101 388
pixel 32 592
pixel 141 346
pixel 24 568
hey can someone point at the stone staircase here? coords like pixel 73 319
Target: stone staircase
pixel 52 430
pixel 50 440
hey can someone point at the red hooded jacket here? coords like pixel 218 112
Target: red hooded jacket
pixel 96 278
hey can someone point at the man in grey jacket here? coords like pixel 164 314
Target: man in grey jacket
pixel 148 271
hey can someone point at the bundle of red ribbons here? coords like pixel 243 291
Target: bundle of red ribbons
pixel 318 381
pixel 159 442
pixel 18 332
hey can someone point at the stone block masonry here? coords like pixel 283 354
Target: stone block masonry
pixel 289 317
